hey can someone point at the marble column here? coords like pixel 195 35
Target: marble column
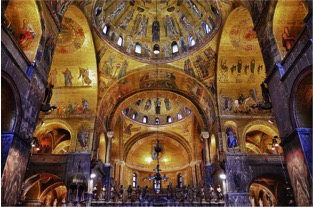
pixel 121 172
pixel 193 172
pixel 205 136
pixel 110 136
pixel 198 170
pixel 14 157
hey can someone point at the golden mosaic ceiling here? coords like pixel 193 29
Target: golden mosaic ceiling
pixel 156 30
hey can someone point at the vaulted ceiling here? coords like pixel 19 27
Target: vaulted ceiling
pixel 208 58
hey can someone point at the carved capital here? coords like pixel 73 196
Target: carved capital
pixel 205 135
pixel 110 134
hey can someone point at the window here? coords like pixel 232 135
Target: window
pixel 138 48
pixel 156 49
pixel 169 119
pixel 134 116
pixel 134 180
pixel 174 47
pixel 106 29
pixel 179 116
pixel 191 41
pixel 187 110
pixel 157 121
pixel 180 180
pixel 120 41
pixel 126 111
pixel 206 28
pixel 145 119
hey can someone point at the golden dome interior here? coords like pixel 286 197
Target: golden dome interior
pixel 156 30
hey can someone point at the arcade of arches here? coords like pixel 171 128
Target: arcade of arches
pixel 156 102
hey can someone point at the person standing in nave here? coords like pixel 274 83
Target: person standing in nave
pixel 129 192
pixel 219 193
pixel 260 202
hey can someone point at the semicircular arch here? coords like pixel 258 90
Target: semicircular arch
pixel 123 92
pixel 34 179
pixel 262 126
pixel 54 124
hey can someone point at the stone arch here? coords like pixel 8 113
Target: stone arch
pixel 263 186
pixel 123 91
pixel 301 100
pixel 230 130
pixel 17 13
pixel 58 132
pixel 167 94
pixel 258 144
pixel 11 104
pixel 42 187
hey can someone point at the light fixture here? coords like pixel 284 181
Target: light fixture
pixel 156 49
pixel 223 176
pixel 35 143
pixel 92 175
pixel 148 159
pixel 275 142
pixel 157 177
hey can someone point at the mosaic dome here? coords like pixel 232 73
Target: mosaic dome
pixel 156 31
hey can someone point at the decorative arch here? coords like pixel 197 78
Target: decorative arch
pixel 261 134
pixel 268 182
pixel 231 135
pixel 51 182
pixel 62 147
pixel 25 22
pixel 46 134
pixel 288 23
pixel 10 105
pixel 301 100
pixel 129 88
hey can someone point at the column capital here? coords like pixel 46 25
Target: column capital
pixel 110 134
pixel 205 135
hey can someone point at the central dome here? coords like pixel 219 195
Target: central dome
pixel 156 31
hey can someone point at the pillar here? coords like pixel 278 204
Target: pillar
pixel 198 171
pixel 107 165
pixel 121 172
pixel 14 157
pixel 205 136
pixel 110 136
pixel 193 171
